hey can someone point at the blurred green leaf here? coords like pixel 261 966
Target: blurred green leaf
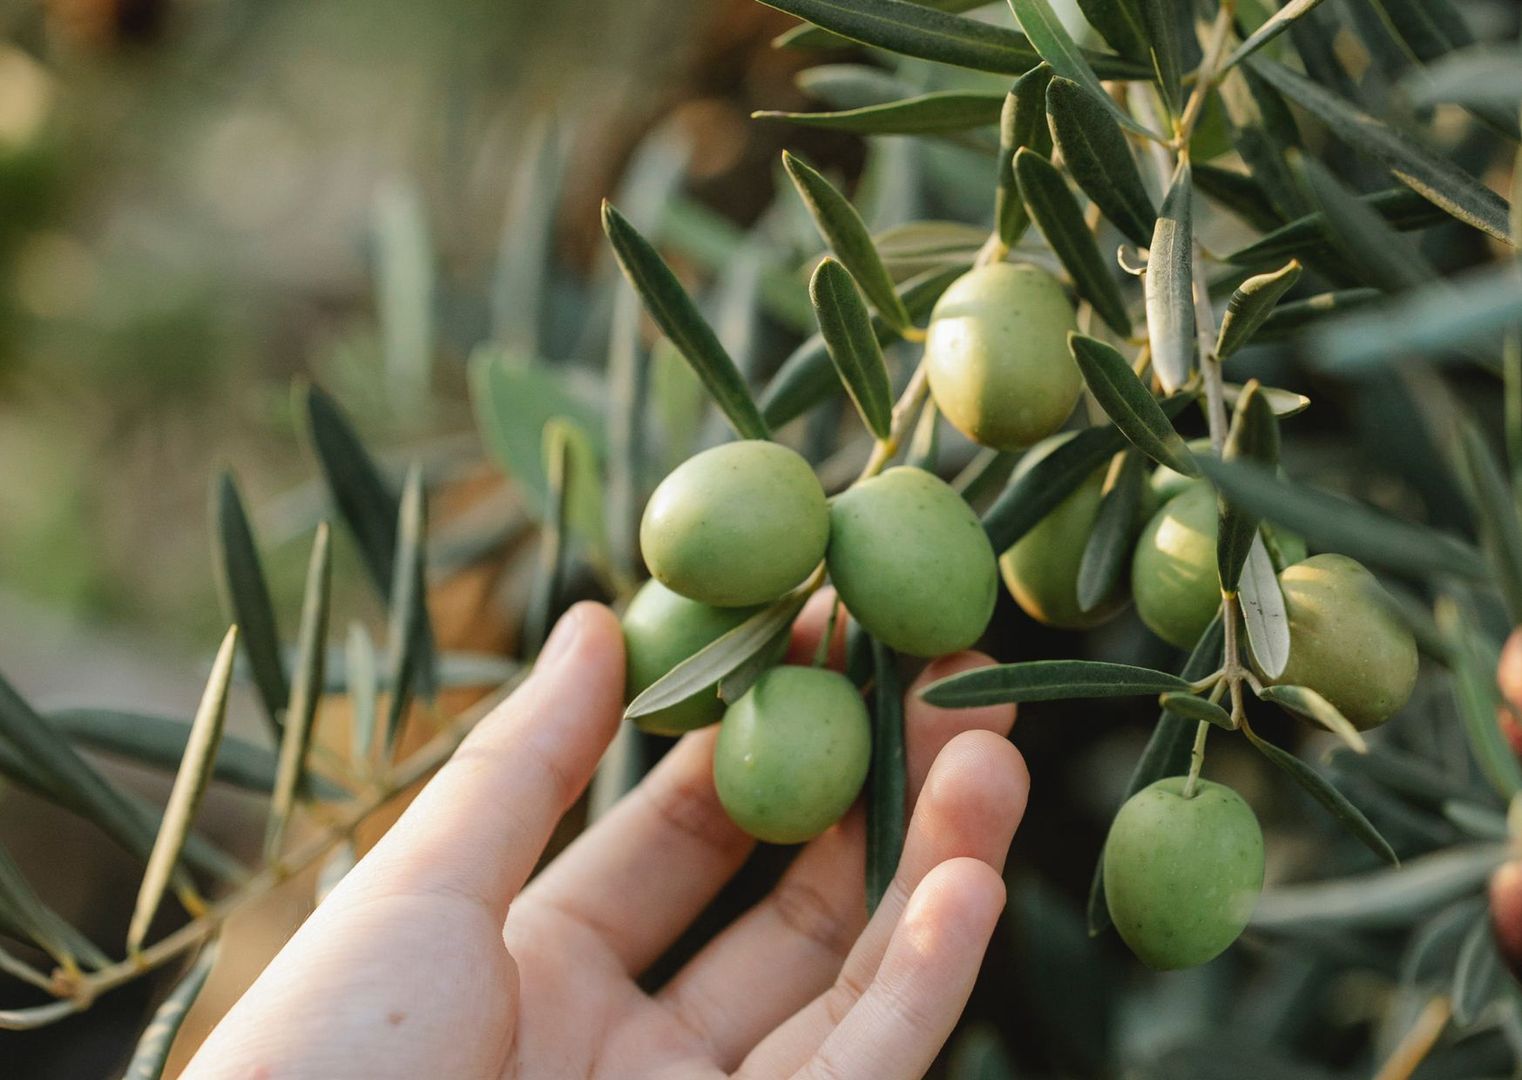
pixel 1487 77
pixel 678 317
pixel 1476 975
pixel 1311 705
pixel 1169 285
pixel 628 407
pixel 246 597
pixel 1276 24
pixel 1188 706
pixel 1282 402
pixel 362 676
pixel 887 785
pixel 1053 208
pixel 1380 255
pixel 1161 23
pixel 1401 207
pixel 1051 39
pixel 1477 698
pixel 24 915
pixel 926 114
pixel 404 294
pixel 1251 304
pixel 549 569
pixel 846 327
pixel 1021 124
pixel 1263 610
pixel 152 1051
pixel 1098 157
pixel 525 252
pixel 1237 193
pixel 1262 130
pixel 1047 680
pixel 1107 552
pixel 1495 511
pixel 978 1055
pixel 1253 436
pixel 1129 404
pixel 1286 319
pixel 925 443
pixel 409 603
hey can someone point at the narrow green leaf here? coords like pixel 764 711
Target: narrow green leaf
pixel 1021 124
pixel 246 598
pixel 846 326
pixel 852 86
pixel 1477 972
pixel 549 568
pixel 1282 402
pixel 1311 705
pixel 733 686
pixel 185 797
pixel 679 319
pixel 1348 816
pixel 1287 319
pixel 1054 209
pixel 404 294
pixel 1272 27
pixel 629 404
pixel 1238 193
pixel 718 659
pixel 1477 698
pixel 887 783
pixel 1263 611
pixel 1262 130
pixel 1130 404
pixel 1119 22
pixel 914 30
pixel 1050 38
pixel 306 690
pixel 522 278
pixel 925 444
pixel 24 915
pixel 1495 512
pixel 845 232
pixel 1429 28
pixel 362 675
pixel 1107 552
pixel 1422 170
pixel 1403 208
pixel 1169 285
pixel 1047 680
pixel 1200 710
pixel 1337 524
pixel 1486 77
pixel 1251 304
pixel 1099 159
pixel 1161 22
pixel 926 114
pixel 409 602
pixel 152 1051
pixel 1254 436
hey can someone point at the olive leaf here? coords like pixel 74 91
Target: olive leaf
pixel 185 797
pixel 1020 125
pixel 1282 402
pixel 1098 158
pixel 1127 402
pixel 1190 706
pixel 1287 319
pixel 1107 552
pixel 1169 286
pixel 1053 208
pixel 1263 610
pixel 737 683
pixel 926 114
pixel 1319 788
pixel 1119 22
pixel 409 602
pixel 1311 705
pixel 679 319
pixel 1495 511
pixel 1051 39
pixel 625 419
pixel 1161 23
pixel 520 282
pixel 25 916
pixel 1477 698
pixel 852 86
pixel 1240 194
pixel 1401 207
pixel 1262 130
pixel 887 783
pixel 1485 77
pixel 1047 680
pixel 246 598
pixel 362 676
pixel 152 1051
pixel 1252 303
pixel 1271 28
pixel 848 337
pixel 404 292
pixel 1477 972
pixel 1253 436
pixel 1439 180
pixel 845 232
pixel 1429 27
pixel 925 443
pixel 549 570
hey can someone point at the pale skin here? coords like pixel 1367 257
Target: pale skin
pixel 437 956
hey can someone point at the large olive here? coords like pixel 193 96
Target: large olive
pixel 1173 571
pixel 661 629
pixel 1181 876
pixel 1345 640
pixel 792 754
pixel 912 563
pixel 997 355
pixel 738 524
pixel 1041 570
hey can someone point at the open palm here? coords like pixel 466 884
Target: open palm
pixel 432 958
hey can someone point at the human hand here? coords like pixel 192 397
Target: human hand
pixel 432 959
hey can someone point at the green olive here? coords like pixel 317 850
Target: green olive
pixel 1173 571
pixel 912 563
pixel 661 629
pixel 792 754
pixel 1041 570
pixel 997 355
pixel 1181 876
pixel 736 525
pixel 1345 640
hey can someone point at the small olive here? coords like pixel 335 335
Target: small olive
pixel 661 629
pixel 792 754
pixel 912 563
pixel 1173 571
pixel 997 355
pixel 736 525
pixel 1181 876
pixel 1345 640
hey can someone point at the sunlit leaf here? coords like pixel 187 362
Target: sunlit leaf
pixel 1282 402
pixel 362 676
pixel 1275 25
pixel 1252 303
pixel 1051 39
pixel 1169 285
pixel 1047 680
pixel 404 294
pixel 1107 552
pixel 1263 611
pixel 1098 157
pixel 846 326
pixel 1022 123
pixel 1128 402
pixel 1311 705
pixel 927 114
pixel 409 603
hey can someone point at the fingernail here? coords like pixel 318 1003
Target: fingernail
pixel 563 637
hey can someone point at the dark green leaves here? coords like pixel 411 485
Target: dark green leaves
pixel 1436 178
pixel 247 599
pixel 1130 404
pixel 1047 680
pixel 1477 697
pixel 1163 26
pixel 1107 552
pixel 1251 304
pixel 1377 253
pixel 847 329
pixel 409 594
pixel 928 114
pixel 1495 511
pixel 1311 705
pixel 1120 23
pixel 1021 124
pixel 1098 157
pixel 1254 436
pixel 1193 707
pixel 679 319
pixel 1055 210
pixel 152 1051
pixel 1348 816
pixel 887 786
pixel 1170 286
pixel 1401 207
pixel 1058 49
pixel 1272 27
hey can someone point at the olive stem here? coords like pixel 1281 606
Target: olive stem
pixel 822 650
pixel 1417 1042
pixel 1196 758
pixel 1207 75
pixel 908 402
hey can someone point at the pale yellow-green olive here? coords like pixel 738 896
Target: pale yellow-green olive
pixel 997 355
pixel 912 563
pixel 792 754
pixel 1174 579
pixel 1181 876
pixel 736 525
pixel 661 629
pixel 1345 640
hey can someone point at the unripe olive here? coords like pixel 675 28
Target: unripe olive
pixel 792 754
pixel 1506 914
pixel 912 563
pixel 661 629
pixel 1041 570
pixel 738 524
pixel 1181 876
pixel 997 355
pixel 1345 641
pixel 1509 679
pixel 1173 571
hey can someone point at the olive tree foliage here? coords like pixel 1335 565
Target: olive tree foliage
pixel 1229 195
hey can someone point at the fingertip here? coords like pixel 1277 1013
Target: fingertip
pixel 587 641
pixel 977 790
pixel 929 729
pixel 954 908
